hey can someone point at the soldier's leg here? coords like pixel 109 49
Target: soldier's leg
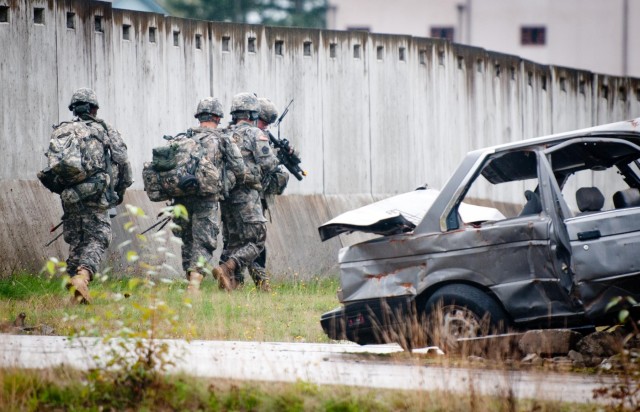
pixel 254 236
pixel 96 237
pixel 72 234
pixel 93 228
pixel 205 230
pixel 225 272
pixel 257 269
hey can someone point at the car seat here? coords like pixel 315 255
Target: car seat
pixel 533 205
pixel 626 198
pixel 589 200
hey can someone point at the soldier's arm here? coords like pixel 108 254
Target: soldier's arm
pixel 120 156
pixel 233 158
pixel 263 153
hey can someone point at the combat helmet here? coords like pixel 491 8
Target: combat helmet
pixel 83 95
pixel 268 110
pixel 209 105
pixel 245 105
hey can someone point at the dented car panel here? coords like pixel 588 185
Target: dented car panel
pixel 548 264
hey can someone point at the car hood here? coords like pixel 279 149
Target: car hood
pixel 398 214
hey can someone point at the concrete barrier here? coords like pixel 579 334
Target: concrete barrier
pixel 373 115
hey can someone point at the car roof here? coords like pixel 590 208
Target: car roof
pixel 627 128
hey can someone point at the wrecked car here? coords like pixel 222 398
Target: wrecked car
pixel 540 233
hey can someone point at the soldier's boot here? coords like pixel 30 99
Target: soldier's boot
pixel 225 275
pixel 195 279
pixel 263 285
pixel 260 278
pixel 80 286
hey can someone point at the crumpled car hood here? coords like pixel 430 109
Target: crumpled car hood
pixel 398 214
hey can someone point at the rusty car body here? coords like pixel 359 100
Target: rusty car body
pixel 563 245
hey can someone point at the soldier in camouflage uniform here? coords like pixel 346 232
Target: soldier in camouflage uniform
pixel 272 184
pixel 244 224
pixel 199 233
pixel 86 222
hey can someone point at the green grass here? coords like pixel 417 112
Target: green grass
pixel 290 313
pixel 60 389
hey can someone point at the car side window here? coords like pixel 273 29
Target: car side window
pixel 511 199
pixel 596 176
pixel 508 184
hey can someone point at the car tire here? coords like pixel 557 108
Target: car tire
pixel 461 311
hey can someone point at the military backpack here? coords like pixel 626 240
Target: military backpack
pixel 180 168
pixel 76 153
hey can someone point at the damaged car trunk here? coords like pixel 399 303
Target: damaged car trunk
pixel 540 233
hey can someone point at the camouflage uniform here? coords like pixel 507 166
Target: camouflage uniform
pixel 273 184
pixel 199 233
pixel 86 223
pixel 244 227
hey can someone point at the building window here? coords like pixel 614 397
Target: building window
pixel 126 32
pixel 279 46
pixel 359 28
pixel 442 32
pixel 622 93
pixel 38 15
pixel 198 41
pixel 226 44
pixel 356 51
pixel 152 34
pixel 71 20
pixel 176 38
pixel 536 36
pixel 402 54
pixel 4 14
pixel 332 50
pixel 97 24
pixel 251 45
pixel 307 48
pixel 422 56
pixel 380 52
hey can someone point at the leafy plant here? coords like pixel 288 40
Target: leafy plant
pixel 624 394
pixel 137 357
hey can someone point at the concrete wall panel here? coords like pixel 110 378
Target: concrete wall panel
pixel 28 89
pixel 367 126
pixel 345 113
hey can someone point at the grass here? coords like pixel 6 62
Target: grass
pixel 290 313
pixel 62 389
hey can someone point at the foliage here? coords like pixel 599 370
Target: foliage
pixel 137 357
pixel 56 390
pixel 298 13
pixel 624 394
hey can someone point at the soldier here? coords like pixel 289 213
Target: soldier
pixel 244 224
pixel 199 232
pixel 272 184
pixel 86 222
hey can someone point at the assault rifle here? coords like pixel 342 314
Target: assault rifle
pixel 287 156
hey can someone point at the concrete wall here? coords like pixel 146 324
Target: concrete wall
pixel 401 114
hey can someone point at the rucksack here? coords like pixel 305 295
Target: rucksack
pixel 76 152
pixel 179 169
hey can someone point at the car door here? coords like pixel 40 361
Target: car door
pixel 605 255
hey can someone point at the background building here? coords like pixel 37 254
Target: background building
pixel 595 35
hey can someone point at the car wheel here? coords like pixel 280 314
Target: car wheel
pixel 460 311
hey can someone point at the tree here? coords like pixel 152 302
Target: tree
pixel 299 13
